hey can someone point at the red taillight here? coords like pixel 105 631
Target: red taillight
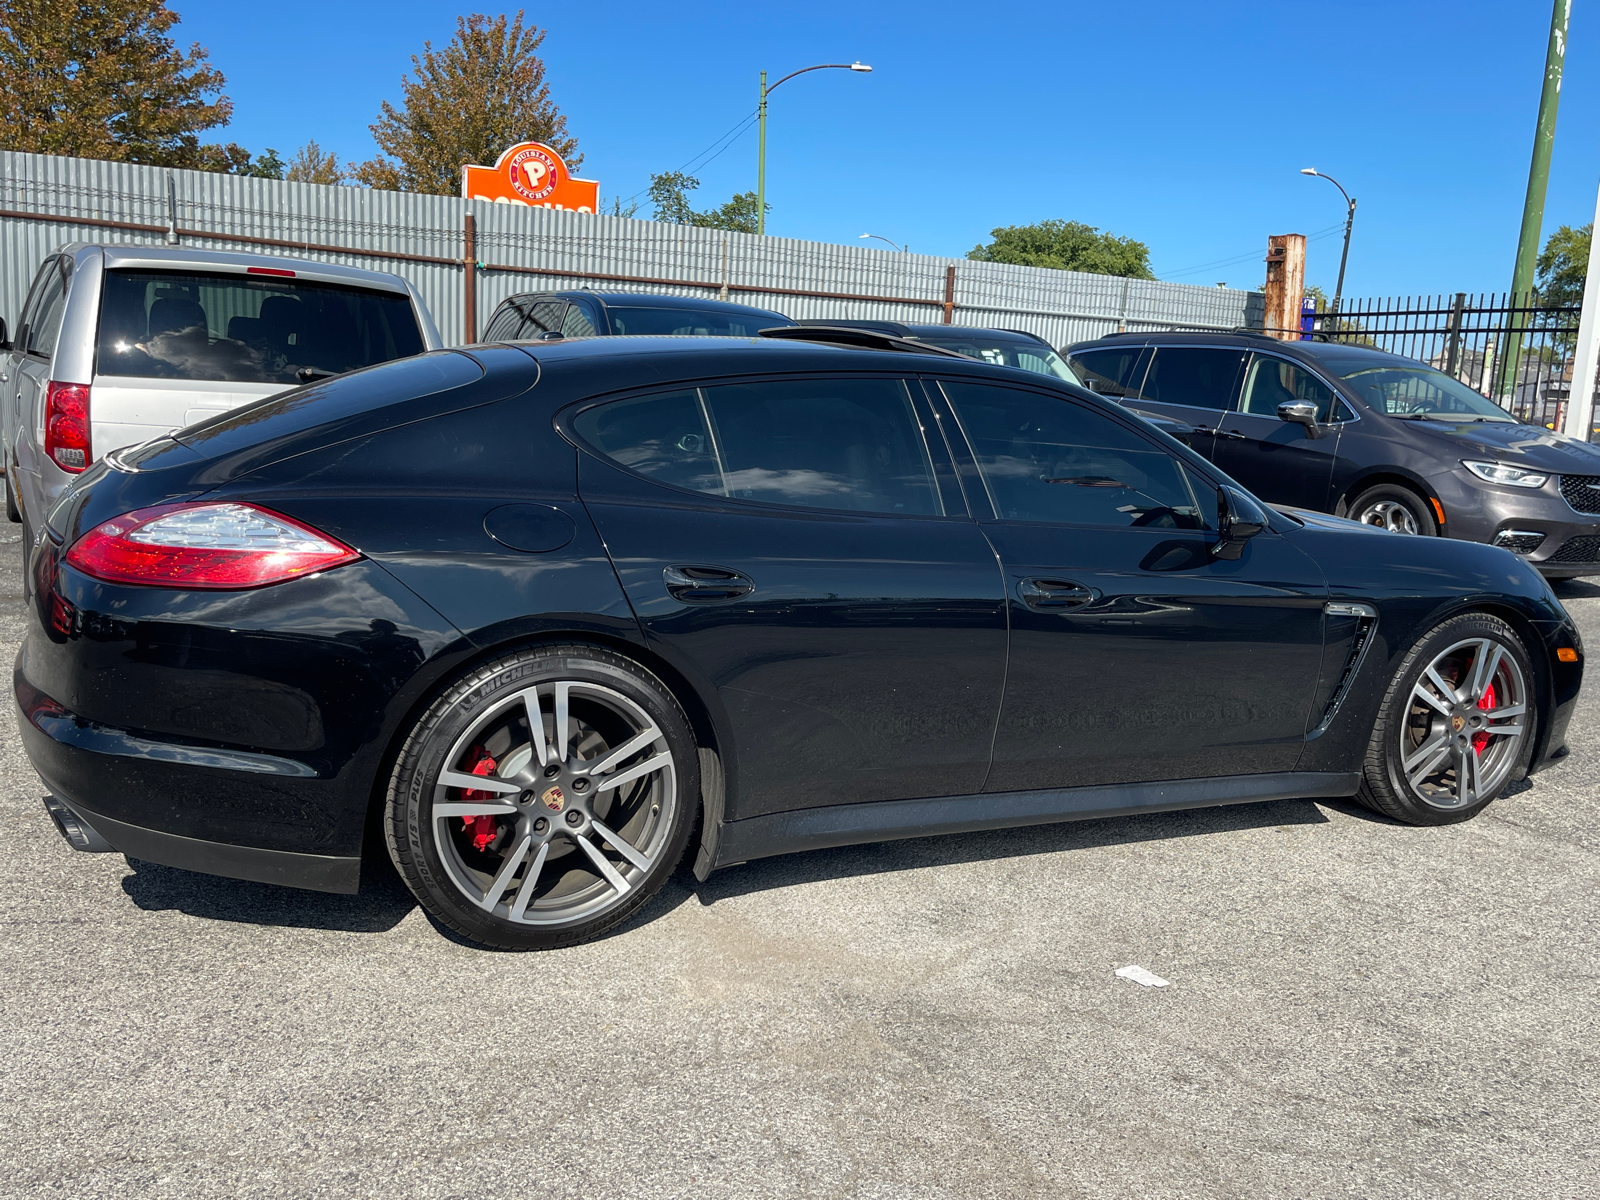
pixel 66 425
pixel 215 546
pixel 269 271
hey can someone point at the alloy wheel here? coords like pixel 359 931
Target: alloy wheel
pixel 555 803
pixel 1465 725
pixel 1390 515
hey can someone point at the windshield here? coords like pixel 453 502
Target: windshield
pixel 691 321
pixel 247 329
pixel 1030 356
pixel 1419 392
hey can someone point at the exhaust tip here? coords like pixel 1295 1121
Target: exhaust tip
pixel 79 833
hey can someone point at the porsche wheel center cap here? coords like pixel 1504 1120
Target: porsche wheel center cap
pixel 554 799
pixel 1457 723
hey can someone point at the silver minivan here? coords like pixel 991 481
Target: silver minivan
pixel 120 343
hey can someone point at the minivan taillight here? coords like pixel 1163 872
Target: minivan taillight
pixel 66 425
pixel 206 545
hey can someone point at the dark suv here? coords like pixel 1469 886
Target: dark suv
pixel 536 316
pixel 1385 440
pixel 997 347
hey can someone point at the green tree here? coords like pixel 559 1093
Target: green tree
pixel 311 165
pixel 669 192
pixel 104 80
pixel 1562 267
pixel 1066 246
pixel 468 102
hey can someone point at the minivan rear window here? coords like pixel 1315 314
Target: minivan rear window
pixel 247 329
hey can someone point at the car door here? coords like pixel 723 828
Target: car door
pixel 14 359
pixel 796 548
pixel 1136 654
pixel 1191 384
pixel 1278 460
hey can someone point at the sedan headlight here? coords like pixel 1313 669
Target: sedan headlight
pixel 1511 476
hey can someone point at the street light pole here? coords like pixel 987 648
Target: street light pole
pixel 906 249
pixel 1349 220
pixel 761 114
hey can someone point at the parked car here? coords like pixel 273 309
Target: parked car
pixel 534 316
pixel 119 343
pixel 1345 429
pixel 998 347
pixel 547 611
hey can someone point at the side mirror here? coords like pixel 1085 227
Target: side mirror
pixel 1301 412
pixel 1239 519
pixel 5 342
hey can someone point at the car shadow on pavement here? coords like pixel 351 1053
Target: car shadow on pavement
pixel 382 903
pixel 950 849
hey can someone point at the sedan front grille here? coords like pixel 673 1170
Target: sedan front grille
pixel 1578 551
pixel 1582 492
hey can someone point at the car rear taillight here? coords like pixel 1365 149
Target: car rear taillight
pixel 66 425
pixel 206 545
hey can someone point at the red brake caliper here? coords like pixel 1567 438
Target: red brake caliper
pixel 1480 740
pixel 485 827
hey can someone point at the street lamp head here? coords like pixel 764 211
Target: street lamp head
pixel 859 66
pixel 1308 170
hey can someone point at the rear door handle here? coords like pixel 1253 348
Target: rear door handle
pixel 706 585
pixel 1055 595
pixel 1233 433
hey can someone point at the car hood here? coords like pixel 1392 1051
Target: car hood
pixel 1322 520
pixel 1519 445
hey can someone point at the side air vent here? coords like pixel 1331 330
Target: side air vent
pixel 1367 620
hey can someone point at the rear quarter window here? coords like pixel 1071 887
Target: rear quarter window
pixel 333 400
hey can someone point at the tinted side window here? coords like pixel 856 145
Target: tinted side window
pixel 1117 372
pixel 1274 381
pixel 1050 459
pixel 1193 375
pixel 850 444
pixel 504 325
pixel 46 326
pixel 576 324
pixel 544 316
pixel 30 306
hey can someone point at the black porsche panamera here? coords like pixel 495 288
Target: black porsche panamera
pixel 561 615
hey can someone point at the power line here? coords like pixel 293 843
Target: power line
pixel 726 140
pixel 1239 258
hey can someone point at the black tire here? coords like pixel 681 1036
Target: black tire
pixel 573 898
pixel 1395 498
pixel 1385 787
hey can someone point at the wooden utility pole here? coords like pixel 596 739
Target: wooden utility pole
pixel 1286 285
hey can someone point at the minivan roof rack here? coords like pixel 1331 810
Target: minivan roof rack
pixel 865 339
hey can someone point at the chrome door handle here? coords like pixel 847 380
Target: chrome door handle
pixel 706 585
pixel 1055 595
pixel 1233 433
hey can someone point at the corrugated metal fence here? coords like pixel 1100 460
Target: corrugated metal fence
pixel 46 201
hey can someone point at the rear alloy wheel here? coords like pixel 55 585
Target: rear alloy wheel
pixel 544 798
pixel 1456 725
pixel 1395 508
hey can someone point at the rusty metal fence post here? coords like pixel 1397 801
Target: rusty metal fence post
pixel 469 307
pixel 949 295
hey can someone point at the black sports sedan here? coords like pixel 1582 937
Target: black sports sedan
pixel 557 616
pixel 545 316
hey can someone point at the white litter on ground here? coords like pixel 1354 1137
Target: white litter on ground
pixel 1140 975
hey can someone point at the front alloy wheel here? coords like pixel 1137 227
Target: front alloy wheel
pixel 1456 724
pixel 544 798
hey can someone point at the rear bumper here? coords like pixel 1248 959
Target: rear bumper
pixel 317 872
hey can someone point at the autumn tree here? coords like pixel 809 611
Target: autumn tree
pixel 1066 246
pixel 311 165
pixel 465 104
pixel 105 80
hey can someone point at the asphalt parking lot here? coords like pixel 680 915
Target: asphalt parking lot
pixel 1355 1009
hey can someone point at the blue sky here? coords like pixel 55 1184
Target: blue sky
pixel 1181 124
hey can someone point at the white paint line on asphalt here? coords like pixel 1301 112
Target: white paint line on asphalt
pixel 1140 975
